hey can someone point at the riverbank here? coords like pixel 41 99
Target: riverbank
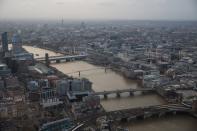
pixel 113 66
pixel 112 80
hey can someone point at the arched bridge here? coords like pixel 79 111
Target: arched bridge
pixel 118 92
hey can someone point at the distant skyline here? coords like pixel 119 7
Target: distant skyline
pixel 98 9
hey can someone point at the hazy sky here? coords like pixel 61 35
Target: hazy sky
pixel 99 9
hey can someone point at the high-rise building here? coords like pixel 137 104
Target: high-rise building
pixel 62 22
pixel 16 44
pixel 4 42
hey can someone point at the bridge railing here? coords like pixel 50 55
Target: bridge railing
pixel 122 91
pixel 61 57
pixel 74 72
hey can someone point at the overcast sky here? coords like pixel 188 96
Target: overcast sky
pixel 99 9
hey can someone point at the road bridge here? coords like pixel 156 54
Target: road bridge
pixel 119 92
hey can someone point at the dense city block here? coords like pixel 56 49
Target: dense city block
pixel 160 56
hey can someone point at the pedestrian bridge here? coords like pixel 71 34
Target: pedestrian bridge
pixel 87 70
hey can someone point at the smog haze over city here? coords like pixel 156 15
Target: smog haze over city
pixel 98 65
pixel 98 9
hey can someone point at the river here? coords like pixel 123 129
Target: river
pixel 110 80
pixel 167 123
pixel 104 81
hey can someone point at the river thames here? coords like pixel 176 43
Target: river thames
pixel 111 80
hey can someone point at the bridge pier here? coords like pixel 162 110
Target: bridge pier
pixel 145 92
pixel 148 115
pixel 174 112
pixel 131 93
pixel 124 119
pixel 72 59
pixel 79 73
pixel 161 114
pixel 67 60
pixel 129 119
pixel 140 117
pixel 57 61
pixel 105 96
pixel 118 94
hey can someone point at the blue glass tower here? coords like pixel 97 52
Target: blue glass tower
pixel 4 41
pixel 16 44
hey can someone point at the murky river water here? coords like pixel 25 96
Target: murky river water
pixel 110 80
pixel 167 123
pixel 104 81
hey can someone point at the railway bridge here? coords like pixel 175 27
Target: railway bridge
pixel 140 113
pixel 147 112
pixel 61 58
